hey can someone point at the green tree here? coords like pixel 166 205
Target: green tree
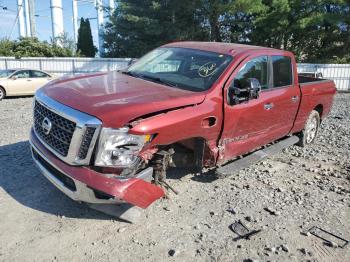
pixel 6 47
pixel 316 31
pixel 85 45
pixel 138 26
pixel 32 47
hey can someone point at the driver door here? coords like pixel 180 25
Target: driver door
pixel 248 125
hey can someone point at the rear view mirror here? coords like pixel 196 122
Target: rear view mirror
pixel 241 91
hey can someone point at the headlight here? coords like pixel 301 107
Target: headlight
pixel 117 148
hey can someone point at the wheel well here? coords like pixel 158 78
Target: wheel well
pixel 192 152
pixel 3 88
pixel 319 109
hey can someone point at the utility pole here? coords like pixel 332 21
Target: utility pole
pixel 32 18
pixel 21 21
pixel 57 20
pixel 111 7
pixel 75 21
pixel 26 10
pixel 99 9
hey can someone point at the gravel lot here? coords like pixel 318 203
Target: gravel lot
pixel 284 196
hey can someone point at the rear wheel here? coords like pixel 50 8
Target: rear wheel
pixel 309 133
pixel 2 93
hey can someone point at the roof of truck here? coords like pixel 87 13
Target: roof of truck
pixel 218 47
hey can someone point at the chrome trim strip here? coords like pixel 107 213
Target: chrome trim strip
pixel 82 121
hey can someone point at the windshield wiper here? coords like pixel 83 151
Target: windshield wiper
pixel 124 72
pixel 158 80
pixel 151 78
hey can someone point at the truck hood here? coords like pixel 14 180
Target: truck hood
pixel 115 98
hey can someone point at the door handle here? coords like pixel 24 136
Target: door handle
pixel 295 98
pixel 268 106
pixel 29 80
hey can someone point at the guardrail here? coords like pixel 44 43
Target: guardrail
pixel 340 73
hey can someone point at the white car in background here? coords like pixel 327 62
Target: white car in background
pixel 21 82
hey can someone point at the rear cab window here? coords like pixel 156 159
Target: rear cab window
pixel 282 71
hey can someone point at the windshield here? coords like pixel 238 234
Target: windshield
pixel 184 68
pixel 6 73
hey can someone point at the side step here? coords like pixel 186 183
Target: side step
pixel 256 156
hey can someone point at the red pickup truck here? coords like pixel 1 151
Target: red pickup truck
pixel 109 138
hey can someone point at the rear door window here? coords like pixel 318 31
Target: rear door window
pixel 282 71
pixel 38 74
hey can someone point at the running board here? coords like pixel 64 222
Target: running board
pixel 256 156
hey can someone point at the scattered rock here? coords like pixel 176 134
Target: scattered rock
pixel 307 233
pixel 172 252
pixel 272 211
pixel 285 248
pixel 303 251
pixel 271 249
pixel 248 218
pixel 231 210
pixel 121 229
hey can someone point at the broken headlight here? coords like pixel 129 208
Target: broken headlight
pixel 118 148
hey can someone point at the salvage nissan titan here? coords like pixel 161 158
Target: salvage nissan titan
pixel 108 138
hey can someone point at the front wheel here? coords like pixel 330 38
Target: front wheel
pixel 308 134
pixel 2 93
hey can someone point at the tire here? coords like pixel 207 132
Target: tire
pixel 308 134
pixel 2 93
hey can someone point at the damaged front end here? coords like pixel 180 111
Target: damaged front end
pixel 85 184
pixel 88 162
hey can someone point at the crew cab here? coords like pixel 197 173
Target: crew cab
pixel 108 138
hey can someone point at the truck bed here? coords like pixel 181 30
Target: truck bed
pixel 316 94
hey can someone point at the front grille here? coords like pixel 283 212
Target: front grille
pixel 61 133
pixel 67 181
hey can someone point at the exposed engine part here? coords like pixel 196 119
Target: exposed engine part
pixel 160 162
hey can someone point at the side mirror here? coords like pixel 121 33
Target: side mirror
pixel 14 77
pixel 132 61
pixel 240 92
pixel 254 88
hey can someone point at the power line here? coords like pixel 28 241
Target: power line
pixel 15 22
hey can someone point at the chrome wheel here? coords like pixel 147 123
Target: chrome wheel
pixel 311 130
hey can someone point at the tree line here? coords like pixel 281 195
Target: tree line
pixel 317 31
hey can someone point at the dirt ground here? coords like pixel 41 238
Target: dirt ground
pixel 283 196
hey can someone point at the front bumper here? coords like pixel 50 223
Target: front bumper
pixel 86 185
